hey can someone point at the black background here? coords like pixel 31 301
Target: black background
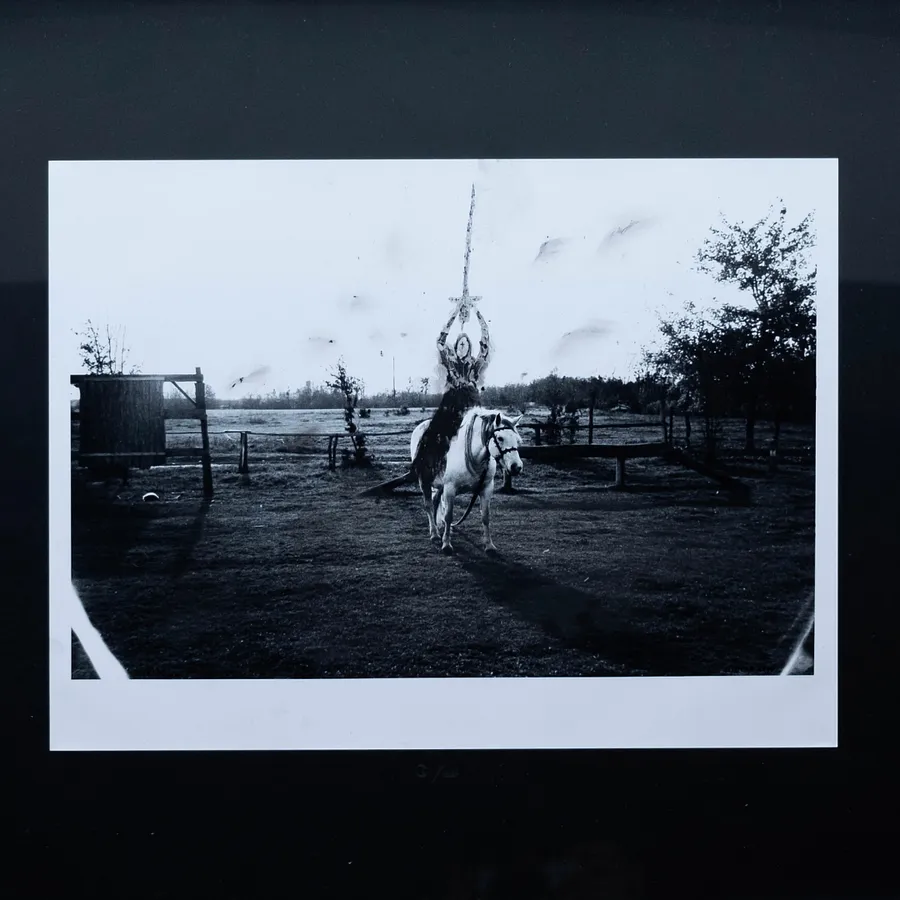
pixel 281 80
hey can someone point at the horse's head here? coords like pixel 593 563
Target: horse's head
pixel 503 443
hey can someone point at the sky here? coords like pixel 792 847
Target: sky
pixel 282 267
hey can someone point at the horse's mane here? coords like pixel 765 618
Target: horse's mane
pixel 468 422
pixel 484 411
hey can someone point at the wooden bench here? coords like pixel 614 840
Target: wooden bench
pixel 563 452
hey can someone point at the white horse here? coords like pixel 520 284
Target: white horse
pixel 486 438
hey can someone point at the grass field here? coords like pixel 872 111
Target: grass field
pixel 288 573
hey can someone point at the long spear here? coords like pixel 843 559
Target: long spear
pixel 465 302
pixel 465 291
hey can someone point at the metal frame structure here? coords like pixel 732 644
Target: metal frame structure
pixel 198 401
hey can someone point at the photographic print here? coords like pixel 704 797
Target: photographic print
pixel 384 454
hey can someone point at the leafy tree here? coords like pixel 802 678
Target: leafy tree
pixel 695 366
pixel 614 391
pixel 789 374
pixel 773 340
pixel 552 392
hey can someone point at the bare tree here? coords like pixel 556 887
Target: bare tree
pixel 104 352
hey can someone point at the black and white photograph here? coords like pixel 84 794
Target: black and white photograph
pixel 387 454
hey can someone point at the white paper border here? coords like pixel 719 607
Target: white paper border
pixel 460 713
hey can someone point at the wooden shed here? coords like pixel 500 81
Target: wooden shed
pixel 121 420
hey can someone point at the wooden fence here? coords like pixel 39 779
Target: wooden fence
pixel 539 450
pixel 540 447
pixel 665 445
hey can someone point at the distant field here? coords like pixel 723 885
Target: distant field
pixel 313 427
pixel 290 574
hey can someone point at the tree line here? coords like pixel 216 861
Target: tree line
pixel 552 389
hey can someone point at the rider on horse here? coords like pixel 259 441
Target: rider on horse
pixel 464 377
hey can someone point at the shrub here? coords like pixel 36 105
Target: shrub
pixel 341 382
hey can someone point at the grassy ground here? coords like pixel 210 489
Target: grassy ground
pixel 289 574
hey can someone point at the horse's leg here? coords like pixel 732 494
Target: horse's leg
pixel 447 509
pixel 425 487
pixel 433 511
pixel 486 496
pixel 436 495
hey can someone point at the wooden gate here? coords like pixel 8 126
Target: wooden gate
pixel 122 421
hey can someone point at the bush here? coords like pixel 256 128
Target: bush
pixel 552 426
pixel 349 388
pixel 359 456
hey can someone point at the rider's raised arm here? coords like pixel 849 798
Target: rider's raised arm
pixel 442 337
pixel 446 361
pixel 484 350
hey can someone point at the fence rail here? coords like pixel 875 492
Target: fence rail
pixel 376 432
pixel 558 448
pixel 334 438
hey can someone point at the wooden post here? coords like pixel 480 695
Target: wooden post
pixel 662 418
pixel 620 471
pixel 591 422
pixel 332 452
pixel 200 388
pixel 244 460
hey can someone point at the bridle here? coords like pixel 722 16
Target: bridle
pixel 501 450
pixel 487 441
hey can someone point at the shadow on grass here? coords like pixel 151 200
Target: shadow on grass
pixel 625 500
pixel 188 541
pixel 596 624
pixel 103 532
